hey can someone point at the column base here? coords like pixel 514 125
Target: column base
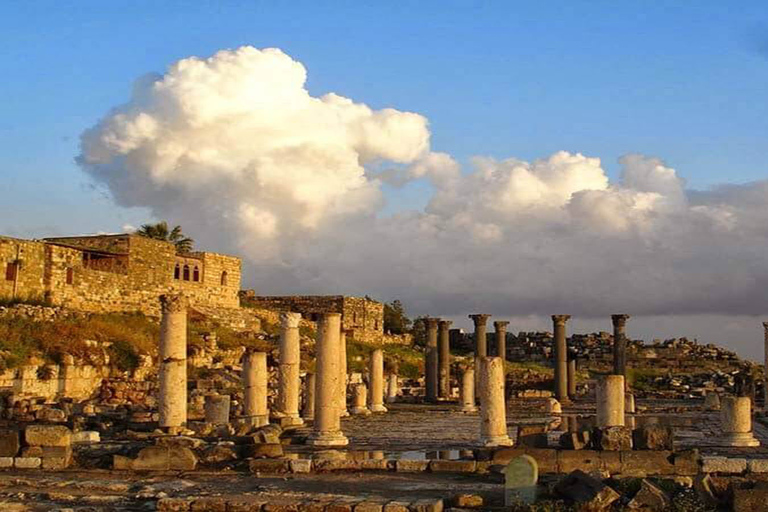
pixel 256 421
pixel 496 441
pixel 743 439
pixel 469 409
pixel 290 421
pixel 360 411
pixel 378 408
pixel 327 439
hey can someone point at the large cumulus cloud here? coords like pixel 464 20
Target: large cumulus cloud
pixel 234 148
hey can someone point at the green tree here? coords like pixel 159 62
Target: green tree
pixel 419 331
pixel 160 231
pixel 395 319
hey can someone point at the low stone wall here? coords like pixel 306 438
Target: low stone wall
pixel 77 382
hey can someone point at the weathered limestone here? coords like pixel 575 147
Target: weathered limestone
pixel 712 401
pixel 431 361
pixel 610 401
pixel 173 362
pixel 493 415
pixel 561 358
pixel 308 412
pixel 289 379
pixel 736 421
pixel 359 400
pixel 629 403
pixel 392 388
pixel 255 378
pixel 468 391
pixel 620 344
pixel 444 360
pixel 552 406
pixel 327 425
pixel 217 409
pixel 572 378
pixel 500 329
pixel 377 381
pixel 481 344
pixel 343 378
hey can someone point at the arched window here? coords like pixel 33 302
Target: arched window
pixel 196 274
pixel 70 275
pixel 186 272
pixel 224 278
pixel 177 272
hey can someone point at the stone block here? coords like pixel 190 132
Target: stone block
pixel 209 504
pixel 269 465
pixel 644 463
pixel 374 464
pixel 247 505
pixel 181 458
pixel 686 462
pixel 649 497
pixel 27 462
pixel 264 451
pixel 426 505
pixel 586 492
pixel 369 506
pixel 502 456
pixel 340 506
pixel 300 465
pixel 757 465
pixel 47 435
pixel 468 501
pixel 396 506
pixel 575 440
pixel 547 459
pixel 6 462
pixel 57 463
pixel 172 505
pixel 612 438
pixel 610 462
pixel 31 451
pixel 653 437
pixel 86 436
pixel 411 466
pixel 726 465
pixel 9 443
pixel 152 458
pixel 452 466
pixel 571 460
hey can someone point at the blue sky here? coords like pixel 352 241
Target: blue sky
pixel 684 81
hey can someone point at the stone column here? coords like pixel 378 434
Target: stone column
pixel 620 345
pixel 308 412
pixel 629 403
pixel 572 377
pixel 377 381
pixel 765 366
pixel 561 358
pixel 173 362
pixel 255 378
pixel 610 401
pixel 289 380
pixel 217 409
pixel 430 361
pixel 493 407
pixel 392 388
pixel 481 344
pixel 343 373
pixel 327 425
pixel 468 390
pixel 359 399
pixel 444 360
pixel 500 326
pixel 736 421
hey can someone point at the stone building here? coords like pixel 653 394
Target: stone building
pixel 363 318
pixel 114 273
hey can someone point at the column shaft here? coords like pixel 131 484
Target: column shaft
pixel 561 358
pixel 173 362
pixel 620 344
pixel 377 381
pixel 501 339
pixel 308 412
pixel 343 374
pixel 610 401
pixel 289 379
pixel 468 391
pixel 255 378
pixel 431 361
pixel 444 360
pixel 327 424
pixel 493 414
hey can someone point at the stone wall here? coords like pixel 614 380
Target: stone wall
pixel 79 382
pixel 22 269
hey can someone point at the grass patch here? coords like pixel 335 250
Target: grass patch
pixel 409 360
pixel 31 300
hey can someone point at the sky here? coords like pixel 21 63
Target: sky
pixel 473 155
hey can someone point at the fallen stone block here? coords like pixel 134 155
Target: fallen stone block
pixel 571 460
pixel 300 465
pixel 686 462
pixel 649 497
pixel 9 443
pixel 209 504
pixel 411 466
pixel 86 436
pixel 468 501
pixel 727 465
pixel 27 462
pixel 269 465
pixel 264 451
pixel 173 505
pixel 341 506
pixel 47 435
pixel 6 462
pixel 612 438
pixel 575 440
pixel 369 506
pixel 426 505
pixel 757 465
pixel 653 437
pixel 586 492
pixel 396 506
pixel 246 505
pixel 645 463
pixel 158 458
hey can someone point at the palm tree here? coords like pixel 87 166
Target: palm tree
pixel 160 231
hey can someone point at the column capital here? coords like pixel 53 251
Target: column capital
pixel 560 319
pixel 500 325
pixel 445 324
pixel 432 322
pixel 479 318
pixel 290 320
pixel 174 302
pixel 620 319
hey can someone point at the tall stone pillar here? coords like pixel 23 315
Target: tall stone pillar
pixel 431 361
pixel 765 366
pixel 216 409
pixel 620 345
pixel 500 327
pixel 308 412
pixel 610 401
pixel 255 378
pixel 468 390
pixel 444 360
pixel 359 399
pixel 493 408
pixel 561 358
pixel 377 381
pixel 572 377
pixel 327 425
pixel 736 421
pixel 481 344
pixel 173 362
pixel 392 388
pixel 289 379
pixel 343 373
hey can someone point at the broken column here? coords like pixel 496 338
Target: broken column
pixel 173 362
pixel 572 377
pixel 431 361
pixel 289 379
pixel 255 377
pixel 500 327
pixel 444 360
pixel 392 388
pixel 327 424
pixel 736 421
pixel 610 401
pixel 493 413
pixel 343 373
pixel 308 412
pixel 217 409
pixel 629 403
pixel 359 399
pixel 377 381
pixel 561 358
pixel 620 345
pixel 468 390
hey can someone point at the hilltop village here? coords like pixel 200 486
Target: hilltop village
pixel 136 377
